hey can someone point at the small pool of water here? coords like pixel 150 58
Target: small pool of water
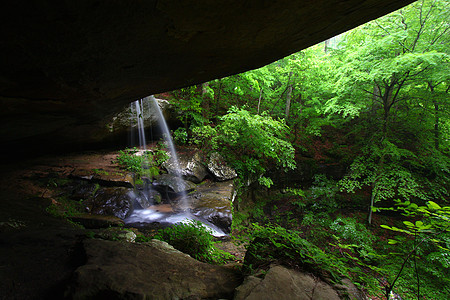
pixel 153 215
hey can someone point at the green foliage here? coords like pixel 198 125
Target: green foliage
pixel 180 136
pixel 385 88
pixel 187 102
pixel 277 244
pixel 253 143
pixel 205 137
pixel 142 164
pixel 194 239
pixel 65 208
pixel 354 233
pixel 430 243
pixel 129 161
pixel 100 172
pixel 322 195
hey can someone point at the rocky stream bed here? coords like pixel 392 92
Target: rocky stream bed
pixel 46 257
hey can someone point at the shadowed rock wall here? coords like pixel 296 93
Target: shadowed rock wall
pixel 68 66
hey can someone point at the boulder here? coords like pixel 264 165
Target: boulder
pixel 111 201
pixel 103 177
pixel 219 168
pixel 191 168
pixel 117 234
pixel 97 221
pixel 154 270
pixel 212 201
pixel 146 197
pixel 282 283
pixel 174 183
pixel 126 119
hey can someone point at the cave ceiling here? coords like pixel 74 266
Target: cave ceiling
pixel 66 66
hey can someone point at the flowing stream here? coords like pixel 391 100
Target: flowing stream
pixel 162 214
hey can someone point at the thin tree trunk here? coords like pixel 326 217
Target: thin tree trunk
pixel 205 101
pixel 372 202
pixel 218 98
pixel 387 104
pixel 436 116
pixel 436 124
pixel 259 100
pixel 288 98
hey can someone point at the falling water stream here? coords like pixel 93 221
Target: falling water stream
pixel 173 153
pixel 152 213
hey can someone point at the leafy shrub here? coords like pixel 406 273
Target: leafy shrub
pixel 318 224
pixel 205 137
pixel 129 160
pixel 423 256
pixel 254 143
pixel 141 165
pixel 322 195
pixel 277 244
pixel 251 144
pixel 180 136
pixel 354 233
pixel 160 156
pixel 194 239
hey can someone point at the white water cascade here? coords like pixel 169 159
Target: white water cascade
pixel 173 153
pixel 157 213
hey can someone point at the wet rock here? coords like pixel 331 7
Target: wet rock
pixel 123 180
pixel 82 190
pixel 127 117
pixel 283 283
pixel 219 168
pixel 192 168
pixel 175 183
pixel 347 290
pixel 212 202
pixel 152 270
pixel 146 197
pixel 97 221
pixel 111 201
pixel 119 179
pixel 117 234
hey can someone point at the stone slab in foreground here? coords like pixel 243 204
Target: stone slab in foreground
pixel 154 270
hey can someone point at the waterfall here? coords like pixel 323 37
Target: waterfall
pixel 140 124
pixel 173 153
pixel 145 198
pixel 154 213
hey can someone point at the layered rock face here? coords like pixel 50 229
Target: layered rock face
pixel 68 66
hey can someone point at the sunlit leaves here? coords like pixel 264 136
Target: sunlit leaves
pixel 254 143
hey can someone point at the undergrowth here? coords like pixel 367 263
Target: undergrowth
pixel 194 239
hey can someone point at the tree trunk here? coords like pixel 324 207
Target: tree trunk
pixel 259 100
pixel 218 98
pixel 387 104
pixel 372 202
pixel 205 101
pixel 436 116
pixel 288 98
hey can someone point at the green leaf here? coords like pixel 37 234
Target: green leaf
pixel 433 205
pixel 409 224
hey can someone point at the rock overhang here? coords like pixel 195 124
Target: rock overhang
pixel 69 65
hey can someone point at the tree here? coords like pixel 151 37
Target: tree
pixel 383 63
